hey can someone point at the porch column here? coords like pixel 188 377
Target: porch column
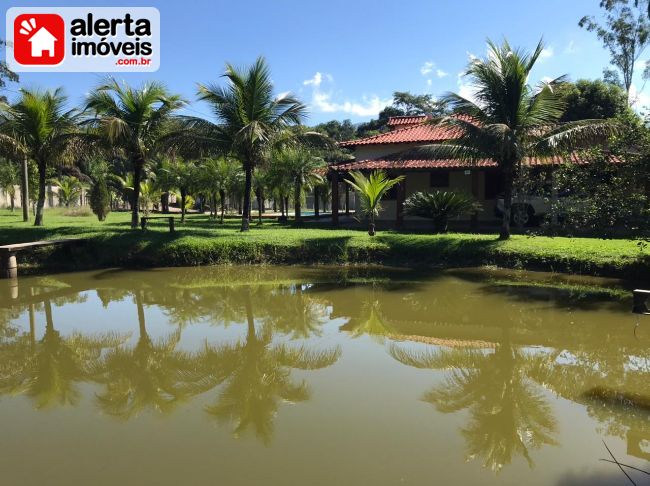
pixel 401 197
pixel 316 202
pixel 476 192
pixel 335 198
pixel 347 199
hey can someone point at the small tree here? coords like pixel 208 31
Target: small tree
pixel 9 179
pixel 625 33
pixel 100 199
pixel 371 190
pixel 440 206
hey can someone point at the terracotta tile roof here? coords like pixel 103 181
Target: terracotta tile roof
pixel 395 121
pixel 411 164
pixel 420 133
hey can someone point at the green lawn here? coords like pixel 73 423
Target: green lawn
pixel 201 241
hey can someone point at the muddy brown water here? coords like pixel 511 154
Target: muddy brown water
pixel 320 376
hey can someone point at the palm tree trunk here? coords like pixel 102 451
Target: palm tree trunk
pixel 507 201
pixel 164 202
pixel 24 189
pixel 296 202
pixel 222 195
pixel 183 199
pixel 246 210
pixel 13 202
pixel 41 194
pixel 316 202
pixel 138 165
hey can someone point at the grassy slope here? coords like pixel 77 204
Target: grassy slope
pixel 201 241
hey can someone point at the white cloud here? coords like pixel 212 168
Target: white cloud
pixel 465 89
pixel 284 94
pixel 429 82
pixel 441 74
pixel 324 102
pixel 315 81
pixel 427 67
pixel 571 48
pixel 547 53
pixel 371 105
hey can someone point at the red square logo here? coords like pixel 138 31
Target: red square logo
pixel 39 39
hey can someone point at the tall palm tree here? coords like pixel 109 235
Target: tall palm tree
pixel 133 121
pixel 40 128
pixel 371 190
pixel 301 166
pixel 248 119
pixel 509 120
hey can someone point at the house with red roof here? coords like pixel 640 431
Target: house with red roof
pixel 389 151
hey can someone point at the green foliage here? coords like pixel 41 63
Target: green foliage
pixel 69 190
pixel 132 122
pixel 587 100
pixel 440 206
pixel 41 128
pixel 336 130
pixel 250 119
pixel 100 199
pixel 625 33
pixel 199 242
pixel 370 191
pixel 9 179
pixel 6 74
pixel 509 120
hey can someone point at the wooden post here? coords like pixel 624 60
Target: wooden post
pixel 476 193
pixel 143 223
pixel 401 197
pixel 335 198
pixel 172 229
pixel 9 265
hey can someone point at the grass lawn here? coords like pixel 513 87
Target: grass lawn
pixel 201 241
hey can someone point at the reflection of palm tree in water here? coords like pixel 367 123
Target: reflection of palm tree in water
pixel 508 415
pixel 257 376
pixel 372 323
pixel 151 374
pixel 48 370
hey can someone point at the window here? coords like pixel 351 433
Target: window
pixel 439 178
pixel 493 184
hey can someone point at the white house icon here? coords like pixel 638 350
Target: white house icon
pixel 42 41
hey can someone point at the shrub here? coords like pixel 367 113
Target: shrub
pixel 100 200
pixel 440 206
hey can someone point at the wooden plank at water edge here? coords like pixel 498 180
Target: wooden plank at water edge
pixel 8 253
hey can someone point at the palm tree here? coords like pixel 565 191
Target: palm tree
pixel 70 189
pixel 133 121
pixel 301 166
pixel 219 177
pixel 371 190
pixel 249 118
pixel 509 120
pixel 178 174
pixel 40 128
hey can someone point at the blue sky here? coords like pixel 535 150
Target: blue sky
pixel 344 58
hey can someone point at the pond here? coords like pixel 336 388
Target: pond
pixel 320 376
